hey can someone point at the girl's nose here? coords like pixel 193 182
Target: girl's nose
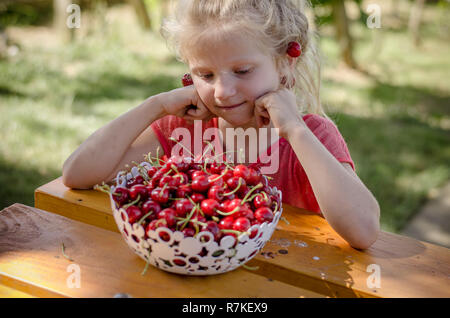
pixel 224 88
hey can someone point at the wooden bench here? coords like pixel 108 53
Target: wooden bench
pixel 304 258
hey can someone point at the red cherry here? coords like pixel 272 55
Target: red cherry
pixel 209 207
pixel 183 207
pixel 151 205
pixel 241 224
pixel 264 214
pixel 237 203
pixel 242 171
pixel 134 214
pixel 260 201
pixel 153 225
pixel 151 171
pixel 218 180
pixel 137 180
pixel 187 80
pixel 197 197
pixel 198 173
pixel 160 195
pixel 200 183
pixel 254 177
pixel 138 190
pixel 168 215
pixel 223 206
pixel 216 193
pixel 246 213
pixel 188 232
pixel 121 195
pixel 217 168
pixel 226 223
pixel 183 190
pixel 294 49
pixel 233 182
pixel 227 175
pixel 181 178
pixel 167 180
pixel 213 228
pixel 196 218
pixel 253 233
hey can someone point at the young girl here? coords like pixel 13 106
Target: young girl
pixel 252 64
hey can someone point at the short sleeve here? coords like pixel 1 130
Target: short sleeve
pixel 328 134
pixel 163 129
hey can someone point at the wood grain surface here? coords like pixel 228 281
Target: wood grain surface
pixel 304 251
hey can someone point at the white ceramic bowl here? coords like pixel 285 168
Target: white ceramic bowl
pixel 190 255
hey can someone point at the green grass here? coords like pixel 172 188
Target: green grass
pixel 395 115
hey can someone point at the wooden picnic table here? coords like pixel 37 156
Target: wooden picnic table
pixel 304 258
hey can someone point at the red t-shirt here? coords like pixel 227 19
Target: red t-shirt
pixel 291 179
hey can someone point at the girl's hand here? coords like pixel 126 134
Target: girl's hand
pixel 184 102
pixel 280 107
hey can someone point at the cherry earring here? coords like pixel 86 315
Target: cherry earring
pixel 187 80
pixel 294 49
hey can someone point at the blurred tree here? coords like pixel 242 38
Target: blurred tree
pixel 142 13
pixel 343 36
pixel 59 20
pixel 415 19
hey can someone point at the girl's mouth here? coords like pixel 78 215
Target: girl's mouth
pixel 231 107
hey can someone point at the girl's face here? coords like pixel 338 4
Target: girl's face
pixel 230 75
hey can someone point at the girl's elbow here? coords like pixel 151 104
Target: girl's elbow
pixel 368 234
pixel 71 180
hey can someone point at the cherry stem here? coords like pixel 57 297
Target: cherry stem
pixel 227 213
pixel 174 168
pixel 183 146
pixel 189 217
pixel 254 268
pixel 276 207
pixel 162 189
pixel 259 185
pixel 148 158
pixel 190 199
pixel 258 194
pixel 144 217
pixel 235 189
pixel 103 188
pixel 221 176
pixel 209 145
pixel 140 168
pixel 132 203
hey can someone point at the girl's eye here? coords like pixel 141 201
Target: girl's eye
pixel 206 76
pixel 242 72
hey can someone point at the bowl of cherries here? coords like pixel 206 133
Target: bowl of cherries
pixel 194 217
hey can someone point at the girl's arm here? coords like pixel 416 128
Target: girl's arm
pixel 128 137
pixel 98 158
pixel 346 203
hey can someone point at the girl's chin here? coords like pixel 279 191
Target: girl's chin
pixel 240 121
pixel 240 118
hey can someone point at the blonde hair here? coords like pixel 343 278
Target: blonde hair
pixel 274 23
